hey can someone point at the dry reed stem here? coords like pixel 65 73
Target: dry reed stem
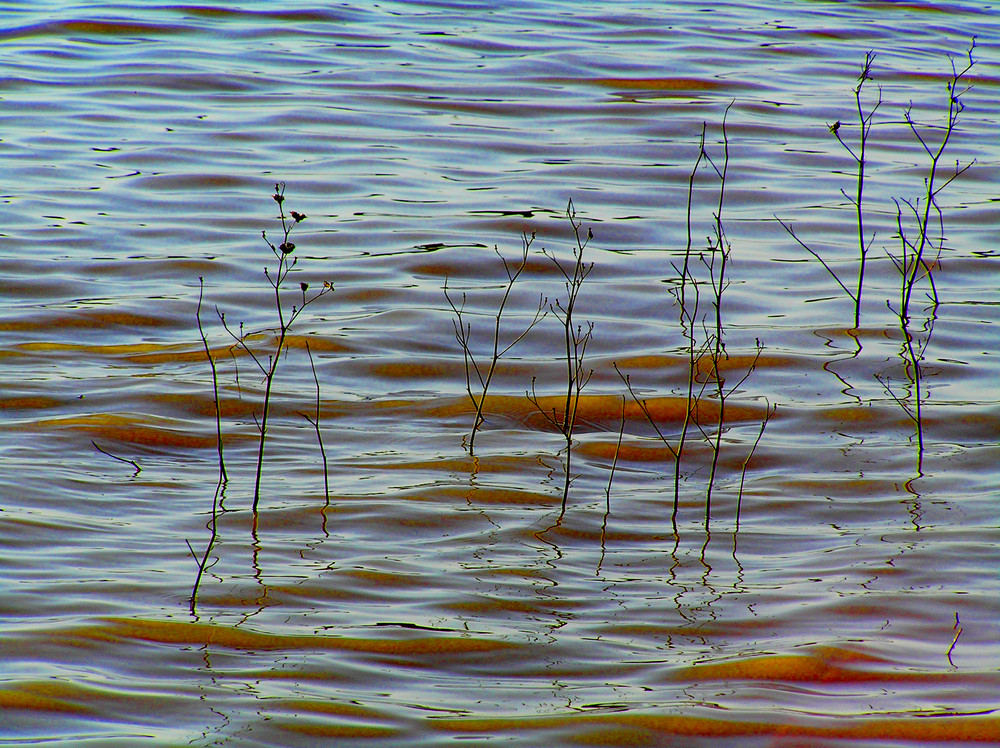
pixel 213 528
pixel 286 263
pixel 463 334
pixel 687 322
pixel 223 476
pixel 314 421
pixel 576 339
pixel 771 410
pixel 718 247
pixel 912 262
pixel 865 123
pixel 133 463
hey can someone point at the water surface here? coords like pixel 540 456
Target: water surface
pixel 839 589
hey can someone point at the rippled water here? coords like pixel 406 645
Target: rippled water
pixel 839 589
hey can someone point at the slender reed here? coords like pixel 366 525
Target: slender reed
pixel 213 528
pixel 954 641
pixel 769 411
pixel 463 334
pixel 912 262
pixel 133 463
pixel 223 475
pixel 865 122
pixel 916 264
pixel 314 421
pixel 576 338
pixel 607 490
pixel 704 331
pixel 720 248
pixel 286 317
pixel 614 462
pixel 688 313
pixel 864 128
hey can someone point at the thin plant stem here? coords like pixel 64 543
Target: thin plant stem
pixel 314 420
pixel 913 263
pixel 286 263
pixel 133 463
pixel 213 528
pixel 607 491
pixel 687 322
pixel 864 126
pixel 770 411
pixel 644 407
pixel 576 338
pixel 223 476
pixel 719 284
pixel 954 641
pixel 463 334
pixel 614 462
pixel 860 156
pixel 955 108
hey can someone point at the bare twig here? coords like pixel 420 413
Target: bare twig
pixel 688 315
pixel 314 420
pixel 720 247
pixel 463 334
pixel 958 632
pixel 614 462
pixel 865 122
pixel 770 411
pixel 133 463
pixel 576 339
pixel 223 476
pixel 213 527
pixel 913 262
pixel 268 368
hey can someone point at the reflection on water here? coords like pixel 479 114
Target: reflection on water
pixel 839 588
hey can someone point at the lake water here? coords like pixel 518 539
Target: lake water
pixel 830 574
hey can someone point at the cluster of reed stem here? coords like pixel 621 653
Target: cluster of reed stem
pixel 576 337
pixel 702 325
pixel 265 358
pixel 915 229
pixel 702 273
pixel 463 334
pixel 704 336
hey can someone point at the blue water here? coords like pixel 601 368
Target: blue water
pixel 433 594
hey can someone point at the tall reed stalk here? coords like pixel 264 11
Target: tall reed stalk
pixel 267 361
pixel 704 333
pixel 912 262
pixel 223 476
pixel 719 250
pixel 463 334
pixel 576 338
pixel 688 315
pixel 859 155
pixel 314 421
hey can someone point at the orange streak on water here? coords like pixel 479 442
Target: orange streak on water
pixel 130 430
pixel 90 318
pixel 44 696
pixel 343 732
pixel 653 729
pixel 31 402
pixel 602 410
pixel 797 669
pixel 205 634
